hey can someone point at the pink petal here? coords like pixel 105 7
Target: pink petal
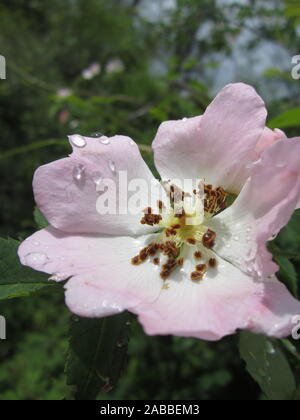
pixel 268 138
pixel 103 279
pixel 224 301
pixel 263 208
pixel 219 146
pixel 67 191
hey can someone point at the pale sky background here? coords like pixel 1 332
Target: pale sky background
pixel 242 64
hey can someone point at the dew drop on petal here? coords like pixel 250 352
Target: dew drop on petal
pixel 58 277
pixel 78 173
pixel 236 238
pixel 112 166
pixel 184 119
pixel 97 178
pixel 273 237
pixel 77 140
pixel 36 259
pixel 104 140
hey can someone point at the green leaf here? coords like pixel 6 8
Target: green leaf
pixel 40 220
pixel 287 273
pixel 289 118
pixel 17 280
pixel 97 354
pixel 289 238
pixel 268 366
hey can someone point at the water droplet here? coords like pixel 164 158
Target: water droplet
pixel 75 319
pixel 36 259
pixel 104 140
pixel 77 140
pixel 97 134
pixel 273 237
pixel 36 243
pixel 249 229
pixel 97 178
pixel 112 166
pixel 236 238
pixel 270 349
pixel 132 143
pixel 228 245
pixel 78 173
pixel 184 119
pixel 121 343
pixel 281 165
pixel 58 277
pixel 128 323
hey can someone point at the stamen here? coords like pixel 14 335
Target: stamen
pixel 214 200
pixel 151 219
pixel 135 260
pixel 209 238
pixel 179 228
pixel 196 275
pixel 198 255
pixel 170 232
pixel 160 205
pixel 212 262
pixel 201 267
pixel 148 210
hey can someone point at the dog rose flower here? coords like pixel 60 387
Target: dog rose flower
pixel 201 271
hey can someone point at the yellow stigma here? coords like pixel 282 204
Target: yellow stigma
pixel 183 228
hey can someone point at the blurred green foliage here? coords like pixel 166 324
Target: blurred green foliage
pixel 151 70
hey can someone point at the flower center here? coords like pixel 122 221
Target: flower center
pixel 182 231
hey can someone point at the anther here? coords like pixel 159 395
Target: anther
pixel 135 260
pixel 209 238
pixel 151 219
pixel 196 275
pixel 198 255
pixel 212 262
pixel 160 205
pixel 201 268
pixel 148 210
pixel 177 226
